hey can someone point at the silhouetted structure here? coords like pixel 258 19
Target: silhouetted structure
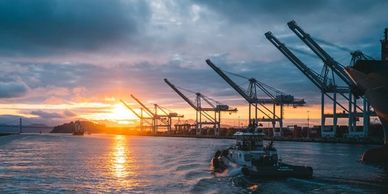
pixel 204 116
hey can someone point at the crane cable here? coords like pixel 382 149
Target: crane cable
pixel 211 99
pixel 259 82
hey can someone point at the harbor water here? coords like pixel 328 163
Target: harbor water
pixel 53 163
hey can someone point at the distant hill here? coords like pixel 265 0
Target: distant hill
pixel 92 127
pixel 69 127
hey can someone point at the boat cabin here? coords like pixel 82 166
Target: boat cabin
pixel 248 141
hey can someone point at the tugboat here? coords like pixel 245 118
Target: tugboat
pixel 256 160
pixel 78 129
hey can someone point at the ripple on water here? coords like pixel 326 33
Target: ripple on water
pixel 124 164
pixel 215 185
pixel 187 166
pixel 196 175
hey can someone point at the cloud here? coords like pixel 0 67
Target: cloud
pixel 64 83
pixel 11 89
pixel 66 52
pixel 68 113
pixel 340 22
pixel 251 10
pixel 46 27
pixel 272 10
pixel 46 115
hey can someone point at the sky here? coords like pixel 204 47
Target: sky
pixel 66 60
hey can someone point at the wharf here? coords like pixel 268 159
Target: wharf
pixel 350 140
pixel 5 134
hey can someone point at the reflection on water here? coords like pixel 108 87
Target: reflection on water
pixel 121 163
pixel 125 164
pixel 119 157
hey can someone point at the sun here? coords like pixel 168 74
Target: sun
pixel 120 113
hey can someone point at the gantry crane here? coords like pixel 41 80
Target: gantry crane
pixel 166 114
pixel 204 115
pixel 258 104
pixel 326 82
pixel 353 109
pixel 328 61
pixel 322 82
pixel 158 120
pixel 141 117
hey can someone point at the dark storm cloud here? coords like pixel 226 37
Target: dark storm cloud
pixel 43 27
pixel 11 89
pixel 250 10
pixel 352 24
pixel 172 39
pixel 143 78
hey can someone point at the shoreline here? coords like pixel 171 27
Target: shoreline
pixel 363 141
pixel 6 134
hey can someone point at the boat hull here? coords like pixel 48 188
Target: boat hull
pixel 279 171
pixel 275 171
pixel 372 78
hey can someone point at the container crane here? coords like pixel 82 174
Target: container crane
pixel 148 112
pixel 204 115
pixel 257 104
pixel 166 114
pixel 141 117
pixel 322 82
pixel 164 120
pixel 338 70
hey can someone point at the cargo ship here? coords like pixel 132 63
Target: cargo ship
pixel 78 129
pixel 371 77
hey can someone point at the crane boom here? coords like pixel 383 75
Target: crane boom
pixel 322 54
pixel 133 111
pixel 311 74
pixel 162 109
pixel 230 82
pixel 207 100
pixel 167 112
pixel 142 105
pixel 181 94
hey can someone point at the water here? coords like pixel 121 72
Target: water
pixel 116 163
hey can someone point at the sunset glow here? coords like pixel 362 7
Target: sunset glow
pixel 195 96
pixel 121 114
pixel 116 113
pixel 57 77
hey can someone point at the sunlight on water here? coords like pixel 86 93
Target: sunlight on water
pixel 120 156
pixel 121 163
pixel 126 164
